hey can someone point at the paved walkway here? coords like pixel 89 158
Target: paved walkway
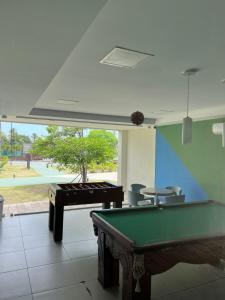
pixel 45 169
pixel 51 175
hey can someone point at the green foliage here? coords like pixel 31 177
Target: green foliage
pixel 108 139
pixel 13 142
pixel 44 146
pixel 108 166
pixel 75 149
pixel 34 136
pixel 3 161
pixel 72 132
pixel 5 144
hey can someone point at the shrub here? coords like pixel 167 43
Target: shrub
pixel 109 166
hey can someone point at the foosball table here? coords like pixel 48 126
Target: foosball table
pixel 61 195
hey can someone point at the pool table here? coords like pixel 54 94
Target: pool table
pixel 151 240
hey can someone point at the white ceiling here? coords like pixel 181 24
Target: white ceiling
pixel 35 41
pixel 36 37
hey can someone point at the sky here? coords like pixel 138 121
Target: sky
pixel 26 129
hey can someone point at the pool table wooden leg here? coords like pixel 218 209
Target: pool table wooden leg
pixel 145 283
pixel 51 216
pixel 108 266
pixel 129 284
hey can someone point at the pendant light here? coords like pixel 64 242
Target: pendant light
pixel 187 122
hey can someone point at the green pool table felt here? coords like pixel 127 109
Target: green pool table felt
pixel 151 226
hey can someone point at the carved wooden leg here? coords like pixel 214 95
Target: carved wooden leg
pixel 129 283
pixel 108 266
pixel 145 283
pixel 58 223
pixel 95 230
pixel 128 280
pixel 51 216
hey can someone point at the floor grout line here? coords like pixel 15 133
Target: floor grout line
pixel 59 288
pixel 69 259
pixel 26 260
pixel 63 261
pixel 189 288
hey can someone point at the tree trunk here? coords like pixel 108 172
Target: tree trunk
pixel 84 174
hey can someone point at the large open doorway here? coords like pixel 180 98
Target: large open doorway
pixel 33 156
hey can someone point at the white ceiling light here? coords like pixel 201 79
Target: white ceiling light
pixel 67 101
pixel 187 122
pixel 124 58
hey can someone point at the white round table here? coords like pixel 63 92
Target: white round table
pixel 156 192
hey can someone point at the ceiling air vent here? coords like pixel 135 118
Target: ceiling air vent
pixel 124 58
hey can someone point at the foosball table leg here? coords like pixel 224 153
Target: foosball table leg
pixel 117 204
pixel 58 223
pixel 106 205
pixel 51 216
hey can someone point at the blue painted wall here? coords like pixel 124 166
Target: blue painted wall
pixel 170 170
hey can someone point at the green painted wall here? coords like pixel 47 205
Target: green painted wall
pixel 204 158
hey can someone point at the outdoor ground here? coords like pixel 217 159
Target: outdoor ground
pixel 17 170
pixel 30 193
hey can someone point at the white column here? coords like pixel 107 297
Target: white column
pixel 122 158
pixel 141 156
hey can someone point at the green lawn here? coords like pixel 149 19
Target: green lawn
pixel 20 194
pixel 19 170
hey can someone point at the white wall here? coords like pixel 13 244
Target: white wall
pixel 140 157
pixel 122 158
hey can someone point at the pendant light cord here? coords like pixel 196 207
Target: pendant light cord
pixel 188 92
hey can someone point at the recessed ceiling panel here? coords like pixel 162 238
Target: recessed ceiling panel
pixel 124 58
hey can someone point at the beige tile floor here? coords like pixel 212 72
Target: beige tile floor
pixel 26 207
pixel 41 206
pixel 32 266
pixel 34 207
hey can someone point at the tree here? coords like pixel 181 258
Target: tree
pixel 13 142
pixel 72 131
pixel 44 146
pixel 34 136
pixel 17 140
pixel 5 144
pixel 3 161
pixel 106 136
pixel 75 149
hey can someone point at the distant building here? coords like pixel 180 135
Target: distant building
pixel 27 147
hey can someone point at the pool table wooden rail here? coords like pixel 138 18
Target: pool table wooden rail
pixel 123 239
pixel 113 247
